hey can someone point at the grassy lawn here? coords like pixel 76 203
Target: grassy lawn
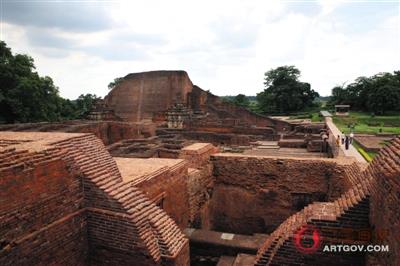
pixel 314 116
pixel 365 123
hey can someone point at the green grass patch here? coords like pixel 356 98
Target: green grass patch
pixel 314 116
pixel 365 155
pixel 368 155
pixel 368 124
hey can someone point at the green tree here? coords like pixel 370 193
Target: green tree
pixel 115 83
pixel 377 94
pixel 24 95
pixel 284 92
pixel 84 104
pixel 27 97
pixel 241 100
pixel 384 95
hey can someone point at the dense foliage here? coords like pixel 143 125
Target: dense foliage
pixel 377 94
pixel 27 97
pixel 284 93
pixel 115 82
pixel 248 102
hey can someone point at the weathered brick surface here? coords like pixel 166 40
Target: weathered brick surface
pixel 31 199
pixel 226 138
pixel 63 242
pixel 153 233
pixel 165 183
pixel 199 185
pixel 141 95
pixel 377 184
pixel 198 154
pixel 72 186
pixel 385 202
pixel 349 211
pixel 108 131
pixel 199 181
pixel 40 210
pixel 207 102
pixel 266 184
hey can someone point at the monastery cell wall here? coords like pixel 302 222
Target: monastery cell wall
pixel 256 194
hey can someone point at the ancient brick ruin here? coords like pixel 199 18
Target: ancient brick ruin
pixel 225 187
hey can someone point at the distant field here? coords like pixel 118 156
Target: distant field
pixel 367 124
pixel 314 116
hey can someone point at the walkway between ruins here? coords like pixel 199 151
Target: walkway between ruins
pixel 351 152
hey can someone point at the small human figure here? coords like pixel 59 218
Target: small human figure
pixel 338 140
pixel 351 137
pixel 347 142
pixel 343 138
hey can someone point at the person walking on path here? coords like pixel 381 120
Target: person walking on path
pixel 338 140
pixel 347 142
pixel 343 138
pixel 351 137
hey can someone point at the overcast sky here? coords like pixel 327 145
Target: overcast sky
pixel 225 46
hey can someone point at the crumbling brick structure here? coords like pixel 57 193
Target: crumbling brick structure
pixel 200 182
pixel 230 116
pixel 141 95
pixel 373 199
pixel 108 131
pixel 275 188
pixel 63 201
pixel 164 181
pixel 150 95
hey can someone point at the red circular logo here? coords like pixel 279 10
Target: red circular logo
pixel 302 239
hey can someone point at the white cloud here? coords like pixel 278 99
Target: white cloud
pixel 328 6
pixel 225 46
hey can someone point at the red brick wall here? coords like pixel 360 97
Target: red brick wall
pixel 374 194
pixel 108 131
pixel 199 182
pixel 120 217
pixel 206 101
pixel 229 139
pixel 40 212
pixel 116 246
pixel 180 260
pixel 69 203
pixel 200 185
pixel 141 95
pixel 63 242
pixel 171 188
pixel 266 185
pixel 385 202
pixel 113 131
pixel 200 157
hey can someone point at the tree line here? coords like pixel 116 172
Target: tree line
pixel 284 93
pixel 27 97
pixel 377 94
